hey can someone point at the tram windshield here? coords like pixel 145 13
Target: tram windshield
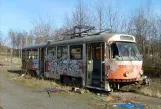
pixel 125 51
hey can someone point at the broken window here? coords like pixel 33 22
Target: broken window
pixel 76 52
pixel 33 53
pixel 125 51
pixel 51 52
pixel 62 52
pixel 114 51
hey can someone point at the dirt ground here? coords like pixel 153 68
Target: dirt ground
pixel 14 95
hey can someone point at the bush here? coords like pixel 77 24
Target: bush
pixel 152 71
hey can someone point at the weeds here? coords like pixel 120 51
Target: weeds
pixel 150 92
pixel 36 83
pixel 158 94
pixel 146 91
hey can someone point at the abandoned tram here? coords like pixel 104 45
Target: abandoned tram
pixel 104 61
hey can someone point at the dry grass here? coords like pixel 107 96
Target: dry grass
pixel 1 107
pixel 36 83
pixel 153 90
pixel 152 107
pixel 158 94
pixel 150 92
pixel 146 91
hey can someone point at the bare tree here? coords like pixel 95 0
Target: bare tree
pixel 140 23
pixel 21 38
pixel 11 34
pixel 105 14
pixel 159 27
pixel 144 26
pixel 113 16
pixel 1 40
pixel 43 29
pixel 29 38
pixel 98 14
pixel 18 40
pixel 68 23
pixel 59 34
pixel 80 16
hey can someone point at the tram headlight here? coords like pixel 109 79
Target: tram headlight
pixel 141 72
pixel 127 74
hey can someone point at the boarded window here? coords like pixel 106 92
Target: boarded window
pixel 76 52
pixel 62 52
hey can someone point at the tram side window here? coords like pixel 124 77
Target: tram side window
pixel 114 50
pixel 23 55
pixel 76 52
pixel 89 53
pixel 97 52
pixel 51 52
pixel 62 52
pixel 33 54
pixel 27 54
pixel 30 54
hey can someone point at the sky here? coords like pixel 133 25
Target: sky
pixel 19 14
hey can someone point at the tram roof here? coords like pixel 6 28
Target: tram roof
pixel 87 39
pixel 35 46
pixel 90 39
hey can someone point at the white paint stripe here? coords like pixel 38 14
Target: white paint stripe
pixel 129 62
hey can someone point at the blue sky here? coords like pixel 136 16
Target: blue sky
pixel 18 14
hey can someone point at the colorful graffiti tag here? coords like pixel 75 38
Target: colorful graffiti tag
pixel 35 64
pixel 64 67
pixel 75 68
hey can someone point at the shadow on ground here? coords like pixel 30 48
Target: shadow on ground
pixel 15 71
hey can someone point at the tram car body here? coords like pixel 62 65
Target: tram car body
pixel 100 61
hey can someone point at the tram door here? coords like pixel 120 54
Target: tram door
pixel 95 62
pixel 89 64
pixel 42 50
